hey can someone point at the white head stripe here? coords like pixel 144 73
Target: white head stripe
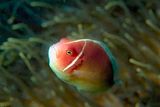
pixel 75 60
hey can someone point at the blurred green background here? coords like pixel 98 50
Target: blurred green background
pixel 131 28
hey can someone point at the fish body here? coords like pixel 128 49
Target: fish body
pixel 87 64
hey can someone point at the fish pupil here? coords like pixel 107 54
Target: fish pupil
pixel 69 52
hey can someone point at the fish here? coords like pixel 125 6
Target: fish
pixel 86 64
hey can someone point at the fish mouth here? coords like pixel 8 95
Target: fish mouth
pixel 77 62
pixel 52 54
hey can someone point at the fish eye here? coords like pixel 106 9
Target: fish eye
pixel 69 52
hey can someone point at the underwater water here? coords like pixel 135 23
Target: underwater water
pixel 131 28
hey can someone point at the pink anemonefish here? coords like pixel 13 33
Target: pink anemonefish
pixel 87 64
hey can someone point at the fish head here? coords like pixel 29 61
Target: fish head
pixel 66 55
